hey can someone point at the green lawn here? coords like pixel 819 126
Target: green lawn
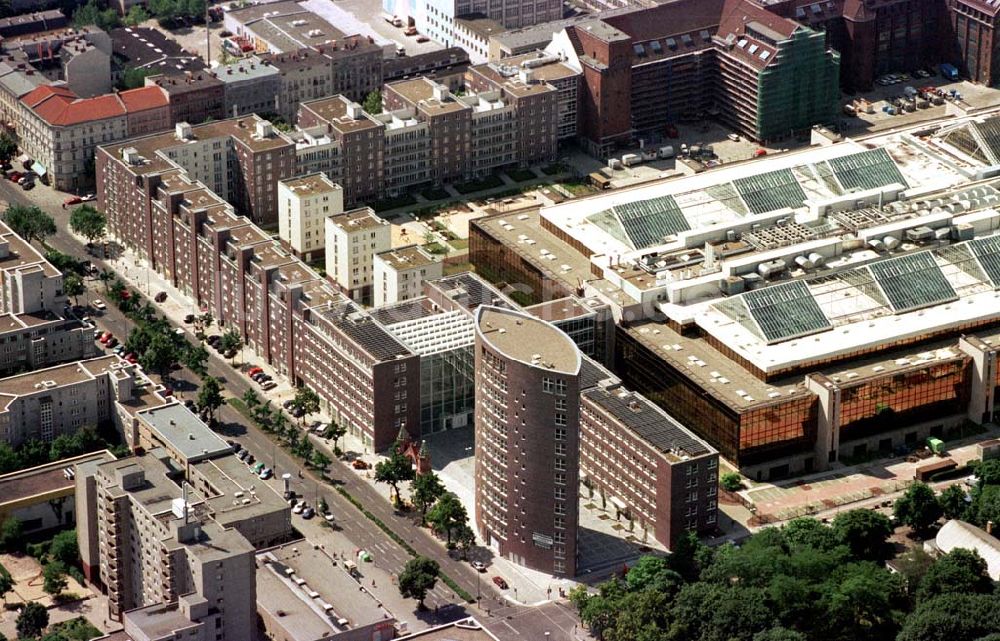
pixel 404 200
pixel 489 182
pixel 521 175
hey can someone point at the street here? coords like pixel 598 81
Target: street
pixel 353 530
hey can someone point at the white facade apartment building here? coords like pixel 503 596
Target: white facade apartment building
pixel 401 272
pixel 304 203
pixel 352 240
pixel 436 18
pixel 46 403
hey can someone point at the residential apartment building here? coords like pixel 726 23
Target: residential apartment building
pixel 445 66
pixel 250 86
pixel 241 160
pixel 47 403
pixel 304 202
pixel 168 567
pixel 399 273
pixel 194 97
pixel 34 331
pixel 527 439
pixel 60 131
pixel 352 240
pixel 287 314
pixel 359 141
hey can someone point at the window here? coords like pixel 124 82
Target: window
pixel 555 386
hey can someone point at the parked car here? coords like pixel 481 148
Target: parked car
pixel 297 507
pixel 28 185
pixel 168 391
pixel 189 319
pixel 119 350
pixel 268 385
pixel 72 200
pixel 111 342
pixel 97 334
pixel 105 337
pixel 358 464
pixel 99 305
pixel 478 566
pixel 308 513
pixel 254 370
pixel 328 517
pixel 250 459
pixel 242 454
pixel 131 358
pixel 500 583
pixel 86 198
pixel 160 297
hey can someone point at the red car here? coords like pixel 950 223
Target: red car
pixel 254 370
pixel 132 359
pixel 106 336
pixel 500 583
pixel 759 153
pixel 72 200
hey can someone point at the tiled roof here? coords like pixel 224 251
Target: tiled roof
pixel 61 107
pixel 144 98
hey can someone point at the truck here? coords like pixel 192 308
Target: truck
pixel 925 472
pixel 949 71
pixel 935 445
pixel 630 160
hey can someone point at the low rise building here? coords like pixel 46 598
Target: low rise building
pixel 399 273
pixel 352 240
pixel 42 498
pixel 303 594
pixel 304 203
pixel 31 23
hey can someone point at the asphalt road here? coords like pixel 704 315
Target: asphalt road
pixel 506 620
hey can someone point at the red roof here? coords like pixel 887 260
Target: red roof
pixel 61 107
pixel 668 19
pixel 737 13
pixel 144 98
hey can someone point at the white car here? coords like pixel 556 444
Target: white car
pixel 99 305
pixel 328 517
pixel 298 508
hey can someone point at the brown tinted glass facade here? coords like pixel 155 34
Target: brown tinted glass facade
pixel 915 396
pixel 645 372
pixel 778 430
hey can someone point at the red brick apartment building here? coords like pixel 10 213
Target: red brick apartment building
pixel 286 313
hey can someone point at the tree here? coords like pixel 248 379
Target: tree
pixel 54 577
pixel 373 102
pixel 33 619
pixel 136 16
pixel 93 14
pixel 731 481
pixel 424 490
pixel 323 506
pixel 6 585
pixel 73 286
pixel 65 549
pixel 865 533
pixel 336 431
pixel 206 320
pixel 160 354
pixel 689 556
pixel 394 470
pixel 231 342
pixel 988 472
pixel 251 400
pixel 30 223
pixel 918 507
pixel 654 573
pixel 305 400
pixel 8 148
pixel 194 358
pixel 953 501
pixel 913 566
pixel 12 535
pixel 447 515
pixel 319 460
pixel 960 571
pixel 210 396
pixel 88 222
pixel 106 276
pixel 779 634
pixel 418 577
pixel 807 531
pixel 953 617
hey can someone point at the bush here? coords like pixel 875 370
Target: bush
pixel 731 482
